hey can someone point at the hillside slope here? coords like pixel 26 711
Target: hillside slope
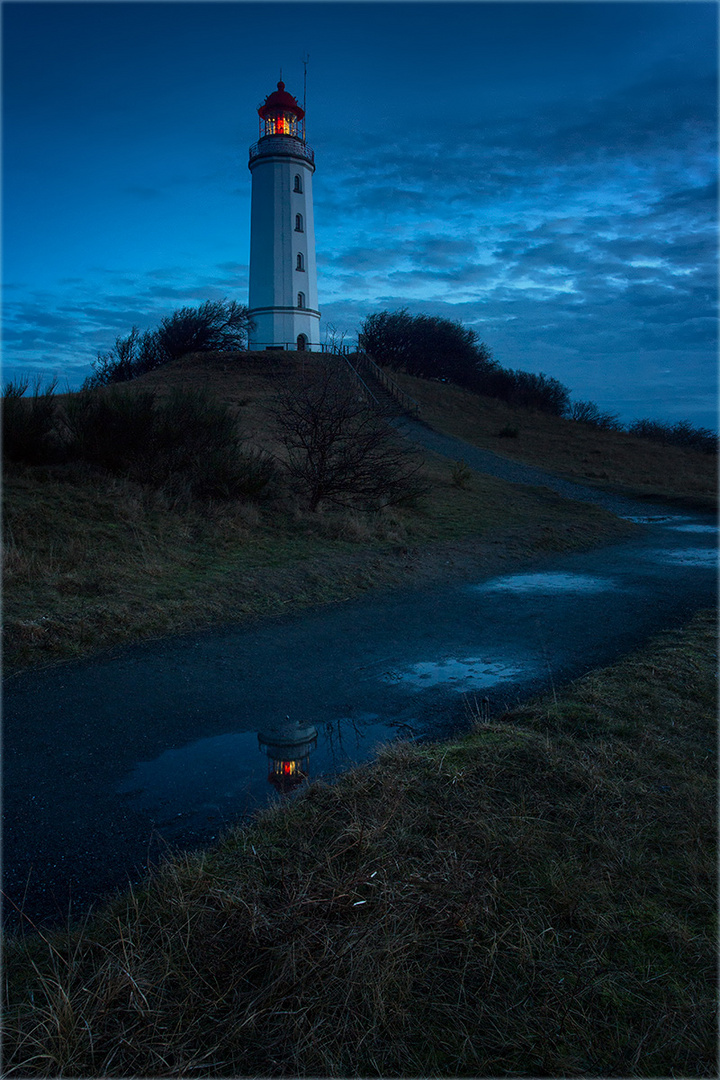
pixel 612 459
pixel 92 560
pixel 588 455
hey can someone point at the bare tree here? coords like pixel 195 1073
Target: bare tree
pixel 339 449
pixel 334 338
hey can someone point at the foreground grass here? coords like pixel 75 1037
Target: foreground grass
pixel 536 898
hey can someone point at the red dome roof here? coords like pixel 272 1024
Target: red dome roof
pixel 280 99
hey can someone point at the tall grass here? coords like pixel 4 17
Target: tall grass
pixel 537 898
pixel 188 441
pixel 29 423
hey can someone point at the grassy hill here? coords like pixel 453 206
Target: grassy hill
pixel 610 459
pixel 588 455
pixel 93 560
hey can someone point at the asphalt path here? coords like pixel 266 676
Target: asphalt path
pixel 108 761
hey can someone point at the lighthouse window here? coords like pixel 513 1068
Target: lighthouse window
pixel 300 263
pixel 301 300
pixel 298 184
pixel 299 223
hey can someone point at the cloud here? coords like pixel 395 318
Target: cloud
pixel 69 326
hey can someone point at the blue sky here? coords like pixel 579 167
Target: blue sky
pixel 543 172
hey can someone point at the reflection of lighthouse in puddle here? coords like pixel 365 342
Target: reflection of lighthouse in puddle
pixel 288 745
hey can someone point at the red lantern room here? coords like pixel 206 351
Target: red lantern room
pixel 281 115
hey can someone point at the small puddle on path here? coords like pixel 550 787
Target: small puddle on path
pixel 696 528
pixel 473 673
pixel 676 522
pixel 654 519
pixel 547 582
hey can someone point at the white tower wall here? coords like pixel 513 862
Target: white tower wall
pixel 276 242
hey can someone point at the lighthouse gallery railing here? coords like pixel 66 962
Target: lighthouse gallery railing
pixel 281 144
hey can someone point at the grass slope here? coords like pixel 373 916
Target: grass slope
pixel 537 898
pixel 92 561
pixel 611 459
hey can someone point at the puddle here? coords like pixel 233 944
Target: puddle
pixel 213 782
pixel 461 675
pixel 695 528
pixel 653 519
pixel 676 522
pixel 548 582
pixel 688 556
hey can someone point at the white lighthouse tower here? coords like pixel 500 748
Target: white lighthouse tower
pixel 283 277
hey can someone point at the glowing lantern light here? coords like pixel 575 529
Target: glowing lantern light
pixel 288 746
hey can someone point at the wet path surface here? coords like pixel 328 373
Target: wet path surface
pixel 107 761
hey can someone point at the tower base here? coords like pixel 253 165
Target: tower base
pixel 284 328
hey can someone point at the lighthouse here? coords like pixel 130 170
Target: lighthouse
pixel 283 277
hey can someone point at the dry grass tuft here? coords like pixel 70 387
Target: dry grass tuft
pixel 537 898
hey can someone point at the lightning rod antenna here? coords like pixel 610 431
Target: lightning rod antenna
pixel 306 57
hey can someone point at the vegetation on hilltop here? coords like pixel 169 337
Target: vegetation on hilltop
pixel 426 346
pixel 435 348
pixel 214 325
pixel 431 347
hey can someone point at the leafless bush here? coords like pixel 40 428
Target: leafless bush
pixel 587 412
pixel 339 450
pixel 680 434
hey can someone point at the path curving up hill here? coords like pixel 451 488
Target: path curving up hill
pixel 515 472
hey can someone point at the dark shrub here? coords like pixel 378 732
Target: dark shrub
pixel 188 442
pixel 541 392
pixel 587 412
pixel 424 345
pixel 129 357
pixel 436 348
pixel 223 474
pixel 113 429
pixel 216 325
pixel 29 423
pixel 679 434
